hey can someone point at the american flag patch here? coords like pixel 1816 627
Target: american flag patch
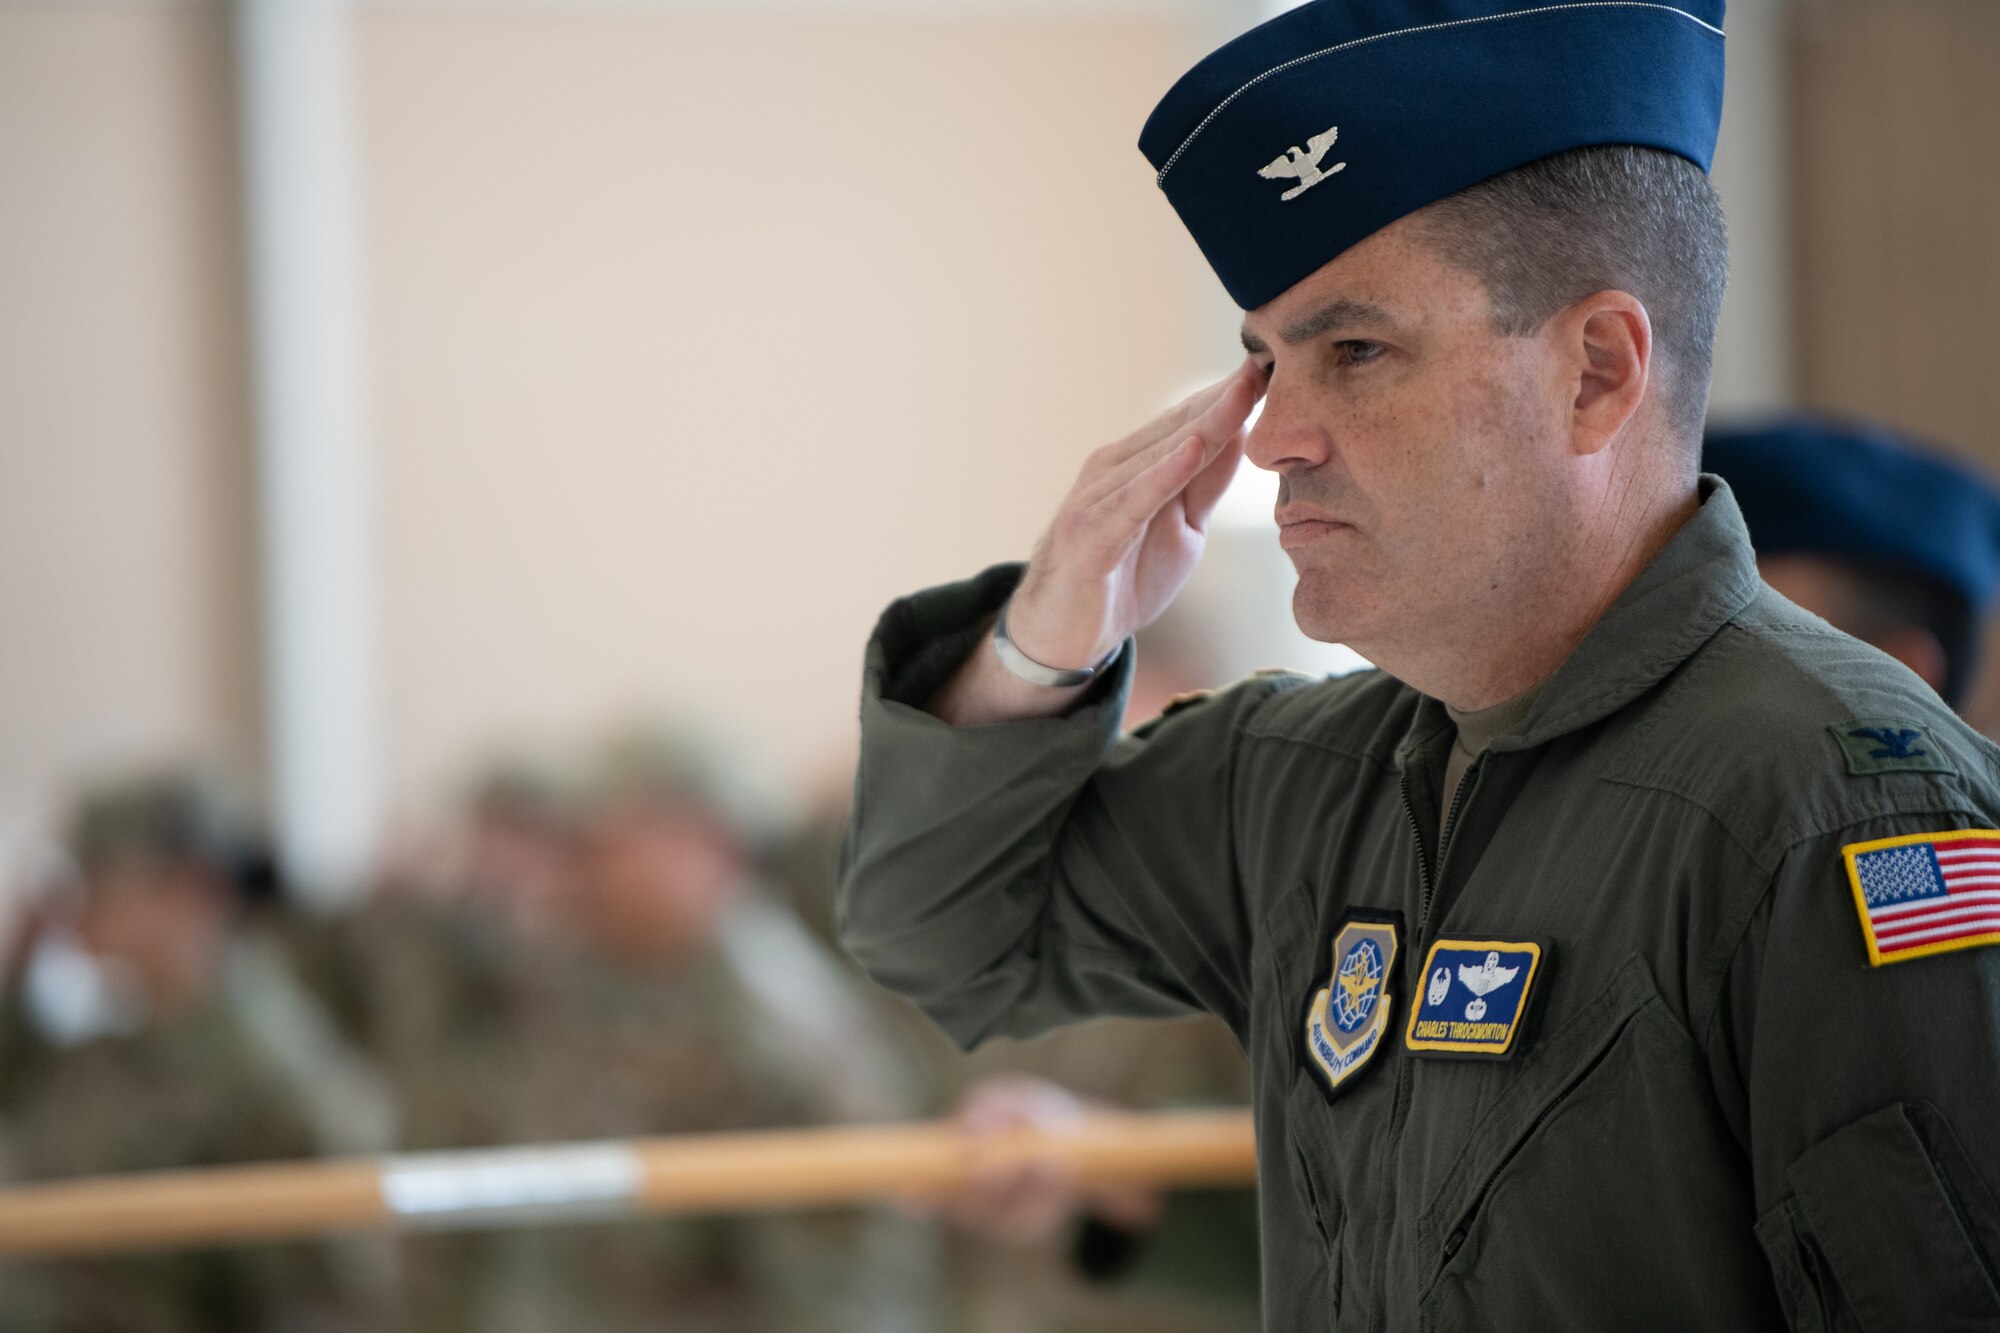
pixel 1927 893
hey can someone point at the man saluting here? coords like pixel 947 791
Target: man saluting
pixel 1730 1056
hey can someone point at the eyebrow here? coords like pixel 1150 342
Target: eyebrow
pixel 1343 313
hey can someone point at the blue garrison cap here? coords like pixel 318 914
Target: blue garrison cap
pixel 1319 128
pixel 1816 487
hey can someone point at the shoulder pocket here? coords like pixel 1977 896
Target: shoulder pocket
pixel 1884 1230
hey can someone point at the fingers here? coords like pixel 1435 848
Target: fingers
pixel 1205 492
pixel 1079 597
pixel 1012 1198
pixel 1126 511
pixel 1008 1101
pixel 1169 422
pixel 1023 1202
pixel 1120 517
pixel 1220 420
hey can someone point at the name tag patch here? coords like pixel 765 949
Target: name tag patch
pixel 1475 994
pixel 1347 1019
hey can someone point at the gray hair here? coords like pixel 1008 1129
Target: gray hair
pixel 1612 217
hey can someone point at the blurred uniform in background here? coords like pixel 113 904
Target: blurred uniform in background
pixel 141 1029
pixel 1877 535
pixel 650 985
pixel 431 976
pixel 432 965
pixel 581 958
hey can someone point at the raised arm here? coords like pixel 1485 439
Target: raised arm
pixel 1121 546
pixel 1004 866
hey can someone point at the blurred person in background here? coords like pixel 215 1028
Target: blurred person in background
pixel 435 975
pixel 1881 537
pixel 142 1029
pixel 431 964
pixel 514 859
pixel 608 963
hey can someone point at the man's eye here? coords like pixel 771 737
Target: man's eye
pixel 1355 351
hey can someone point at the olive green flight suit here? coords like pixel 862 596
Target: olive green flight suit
pixel 1717 1115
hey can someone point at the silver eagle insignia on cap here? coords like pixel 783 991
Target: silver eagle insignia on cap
pixel 1303 163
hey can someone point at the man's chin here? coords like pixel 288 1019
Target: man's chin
pixel 1323 613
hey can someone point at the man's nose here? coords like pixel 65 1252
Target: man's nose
pixel 1287 436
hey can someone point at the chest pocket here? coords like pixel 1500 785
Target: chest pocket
pixel 1594 1191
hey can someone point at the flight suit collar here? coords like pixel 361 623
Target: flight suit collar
pixel 1704 575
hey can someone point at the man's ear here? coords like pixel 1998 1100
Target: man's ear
pixel 1610 339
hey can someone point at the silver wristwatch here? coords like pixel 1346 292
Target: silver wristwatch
pixel 1028 669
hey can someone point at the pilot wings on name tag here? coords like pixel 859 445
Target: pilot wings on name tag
pixel 1472 997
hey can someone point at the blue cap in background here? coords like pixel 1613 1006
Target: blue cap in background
pixel 1316 130
pixel 1852 491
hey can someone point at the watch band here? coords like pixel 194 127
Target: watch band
pixel 1028 669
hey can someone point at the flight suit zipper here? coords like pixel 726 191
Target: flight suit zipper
pixel 1424 878
pixel 1456 1239
pixel 1399 1111
pixel 1417 840
pixel 1470 1214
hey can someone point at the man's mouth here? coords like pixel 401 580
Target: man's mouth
pixel 1298 526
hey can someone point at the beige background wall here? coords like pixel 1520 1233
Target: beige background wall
pixel 125 587
pixel 1898 181
pixel 699 339
pixel 1898 196
pixel 695 339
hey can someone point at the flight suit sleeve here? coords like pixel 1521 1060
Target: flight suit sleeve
pixel 1870 1096
pixel 1013 877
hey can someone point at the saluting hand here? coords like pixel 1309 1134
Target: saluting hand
pixel 1121 546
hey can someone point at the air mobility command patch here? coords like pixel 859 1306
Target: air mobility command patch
pixel 1926 893
pixel 1475 994
pixel 1348 1017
